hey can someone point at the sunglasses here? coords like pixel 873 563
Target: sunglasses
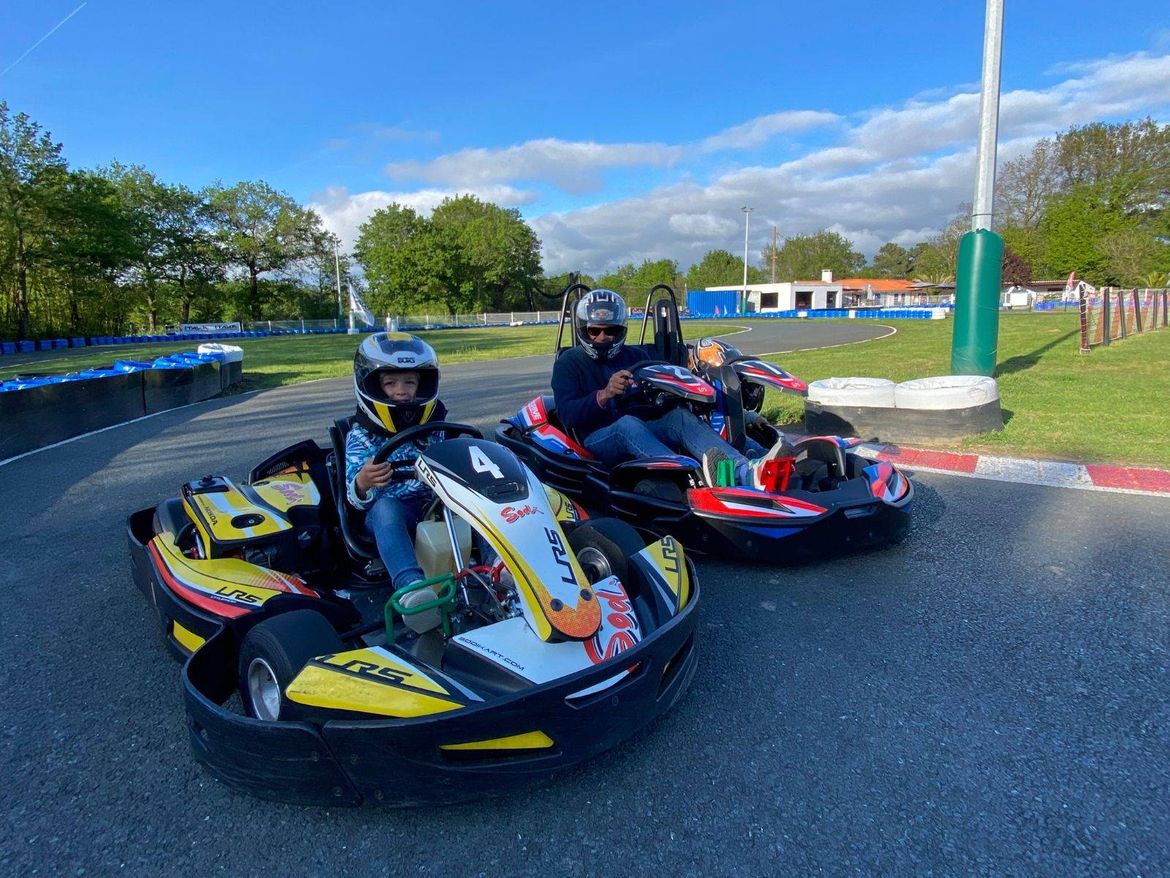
pixel 599 331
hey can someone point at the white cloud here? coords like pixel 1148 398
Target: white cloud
pixel 897 173
pixel 343 213
pixel 758 131
pixel 572 167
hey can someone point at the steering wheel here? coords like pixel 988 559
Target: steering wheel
pixel 421 431
pixel 637 389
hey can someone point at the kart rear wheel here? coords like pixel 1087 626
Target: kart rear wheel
pixel 602 546
pixel 274 652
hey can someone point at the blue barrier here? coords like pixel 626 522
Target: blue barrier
pixel 131 366
pixel 8 347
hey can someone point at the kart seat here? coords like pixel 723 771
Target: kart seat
pixel 540 422
pixel 359 545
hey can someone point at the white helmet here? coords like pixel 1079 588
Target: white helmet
pixel 394 352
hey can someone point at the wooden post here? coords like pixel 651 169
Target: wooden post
pixel 1137 310
pixel 1105 328
pixel 1084 313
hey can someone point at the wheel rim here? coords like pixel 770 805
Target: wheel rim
pixel 594 564
pixel 263 690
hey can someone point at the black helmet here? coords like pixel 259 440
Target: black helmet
pixel 600 308
pixel 394 352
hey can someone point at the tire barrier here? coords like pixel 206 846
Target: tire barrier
pixel 164 389
pixel 39 410
pixel 40 415
pixel 865 392
pixel 231 362
pixel 926 409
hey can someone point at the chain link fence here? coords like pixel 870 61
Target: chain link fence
pixel 416 321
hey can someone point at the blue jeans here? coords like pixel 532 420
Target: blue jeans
pixel 630 438
pixel 392 520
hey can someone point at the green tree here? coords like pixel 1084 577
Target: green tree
pixel 31 168
pixel 1128 164
pixel 490 258
pixel 892 260
pixel 804 257
pixel 937 260
pixel 94 240
pixel 620 280
pixel 651 273
pixel 394 255
pixel 1074 226
pixel 260 231
pixel 174 257
pixel 717 268
pixel 1132 254
pixel 469 256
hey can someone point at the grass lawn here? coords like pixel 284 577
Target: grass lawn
pixel 288 359
pixel 1112 405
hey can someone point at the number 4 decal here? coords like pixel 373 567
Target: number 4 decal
pixel 481 463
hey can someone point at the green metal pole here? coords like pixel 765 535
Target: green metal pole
pixel 974 341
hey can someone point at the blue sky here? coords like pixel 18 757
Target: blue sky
pixel 622 131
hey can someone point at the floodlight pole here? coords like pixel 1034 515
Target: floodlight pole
pixel 988 116
pixel 337 276
pixel 975 335
pixel 747 222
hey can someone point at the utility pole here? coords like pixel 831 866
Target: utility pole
pixel 773 253
pixel 337 275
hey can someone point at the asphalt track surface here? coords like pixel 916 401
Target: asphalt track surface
pixel 990 697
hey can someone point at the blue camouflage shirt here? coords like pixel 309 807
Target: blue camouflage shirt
pixel 360 446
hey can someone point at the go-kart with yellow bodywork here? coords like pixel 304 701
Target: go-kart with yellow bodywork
pixel 540 642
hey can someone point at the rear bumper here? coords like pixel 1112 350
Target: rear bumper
pixel 840 532
pixel 848 528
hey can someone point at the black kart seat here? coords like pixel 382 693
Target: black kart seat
pixel 360 546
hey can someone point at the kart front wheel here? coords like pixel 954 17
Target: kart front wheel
pixel 602 546
pixel 274 652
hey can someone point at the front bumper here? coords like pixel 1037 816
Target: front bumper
pixel 399 762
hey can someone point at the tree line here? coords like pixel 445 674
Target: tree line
pixel 109 250
pixel 105 251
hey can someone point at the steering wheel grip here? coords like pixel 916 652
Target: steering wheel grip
pixel 421 431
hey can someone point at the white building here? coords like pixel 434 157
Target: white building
pixel 797 295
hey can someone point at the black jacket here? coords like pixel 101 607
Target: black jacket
pixel 577 377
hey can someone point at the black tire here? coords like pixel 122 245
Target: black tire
pixel 602 547
pixel 275 651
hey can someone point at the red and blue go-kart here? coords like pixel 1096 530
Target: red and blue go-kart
pixel 542 642
pixel 822 498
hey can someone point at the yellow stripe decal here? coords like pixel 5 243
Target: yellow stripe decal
pixel 321 685
pixel 668 556
pixel 189 640
pixel 527 741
